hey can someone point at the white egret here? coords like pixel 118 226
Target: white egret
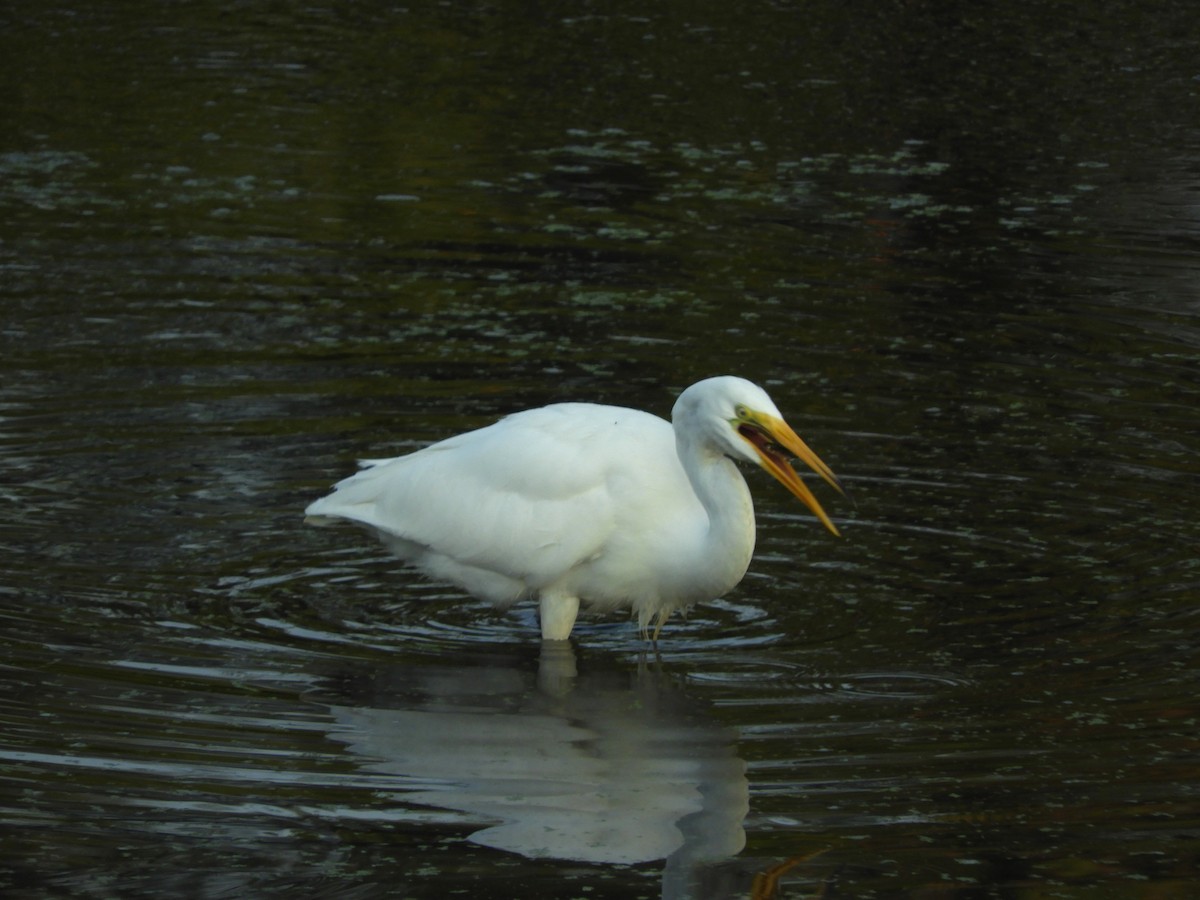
pixel 580 502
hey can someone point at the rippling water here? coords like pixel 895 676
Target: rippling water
pixel 958 245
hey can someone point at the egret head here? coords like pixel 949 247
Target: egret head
pixel 748 426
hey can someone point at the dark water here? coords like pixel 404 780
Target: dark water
pixel 242 245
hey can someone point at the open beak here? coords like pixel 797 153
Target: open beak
pixel 767 434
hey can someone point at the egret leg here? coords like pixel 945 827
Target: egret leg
pixel 662 620
pixel 558 612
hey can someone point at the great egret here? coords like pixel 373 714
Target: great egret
pixel 577 501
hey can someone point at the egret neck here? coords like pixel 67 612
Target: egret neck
pixel 721 557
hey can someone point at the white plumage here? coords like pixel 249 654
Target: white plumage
pixel 578 501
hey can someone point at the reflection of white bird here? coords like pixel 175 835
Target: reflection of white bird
pixel 576 501
pixel 607 768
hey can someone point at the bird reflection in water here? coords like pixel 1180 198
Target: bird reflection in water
pixel 605 767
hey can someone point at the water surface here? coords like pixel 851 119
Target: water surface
pixel 242 248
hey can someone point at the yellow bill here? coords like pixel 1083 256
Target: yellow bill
pixel 767 434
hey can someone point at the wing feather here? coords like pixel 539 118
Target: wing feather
pixel 528 498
